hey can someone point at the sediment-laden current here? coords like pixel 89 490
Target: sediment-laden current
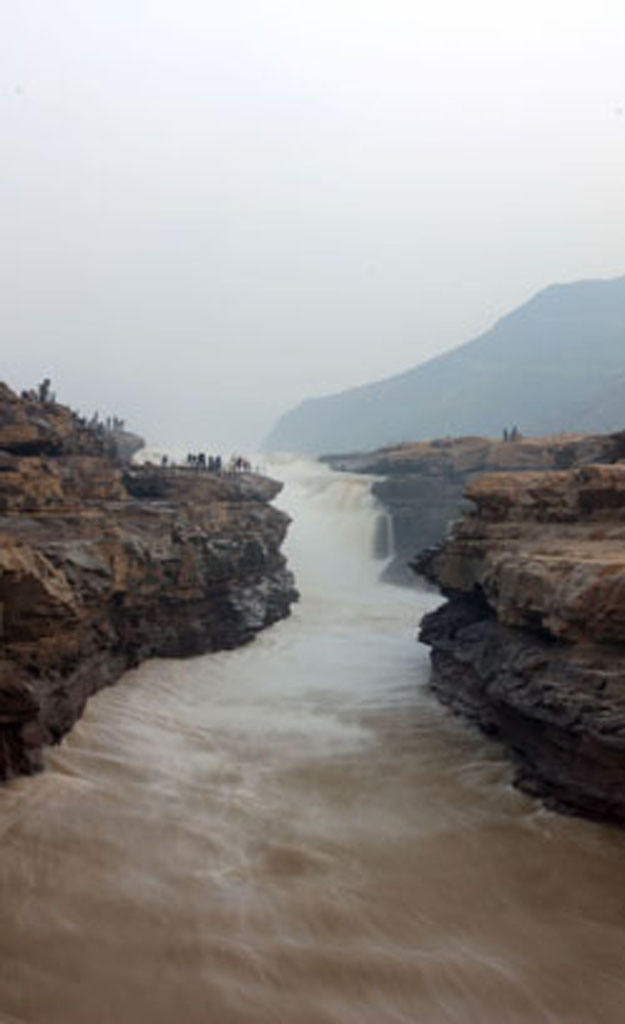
pixel 296 833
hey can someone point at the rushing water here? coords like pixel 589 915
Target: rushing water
pixel 296 833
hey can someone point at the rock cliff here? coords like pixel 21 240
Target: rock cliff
pixel 530 644
pixel 422 484
pixel 103 565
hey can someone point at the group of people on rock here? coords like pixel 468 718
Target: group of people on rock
pixel 238 464
pixel 214 463
pixel 201 461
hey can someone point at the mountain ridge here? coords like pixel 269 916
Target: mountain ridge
pixel 543 366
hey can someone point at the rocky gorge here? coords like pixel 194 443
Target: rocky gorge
pixel 103 565
pixel 526 540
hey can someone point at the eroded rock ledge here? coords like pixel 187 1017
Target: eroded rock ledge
pixel 102 566
pixel 530 644
pixel 422 483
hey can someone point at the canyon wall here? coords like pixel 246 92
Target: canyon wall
pixel 530 644
pixel 103 565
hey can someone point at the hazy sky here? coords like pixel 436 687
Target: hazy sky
pixel 211 210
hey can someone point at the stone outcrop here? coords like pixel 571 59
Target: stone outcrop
pixel 422 484
pixel 103 565
pixel 530 644
pixel 29 426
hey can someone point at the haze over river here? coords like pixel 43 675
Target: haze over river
pixel 296 833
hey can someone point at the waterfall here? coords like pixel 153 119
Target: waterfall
pixel 333 547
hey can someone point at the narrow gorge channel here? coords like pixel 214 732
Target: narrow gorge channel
pixel 295 832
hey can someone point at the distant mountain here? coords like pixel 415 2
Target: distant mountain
pixel 557 363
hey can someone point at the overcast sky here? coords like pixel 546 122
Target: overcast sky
pixel 211 209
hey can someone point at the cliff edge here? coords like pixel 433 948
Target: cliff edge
pixel 422 484
pixel 102 566
pixel 530 644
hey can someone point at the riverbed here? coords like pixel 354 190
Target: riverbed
pixel 295 832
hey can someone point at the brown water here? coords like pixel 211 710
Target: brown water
pixel 295 833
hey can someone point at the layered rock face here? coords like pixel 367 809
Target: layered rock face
pixel 102 566
pixel 531 642
pixel 422 484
